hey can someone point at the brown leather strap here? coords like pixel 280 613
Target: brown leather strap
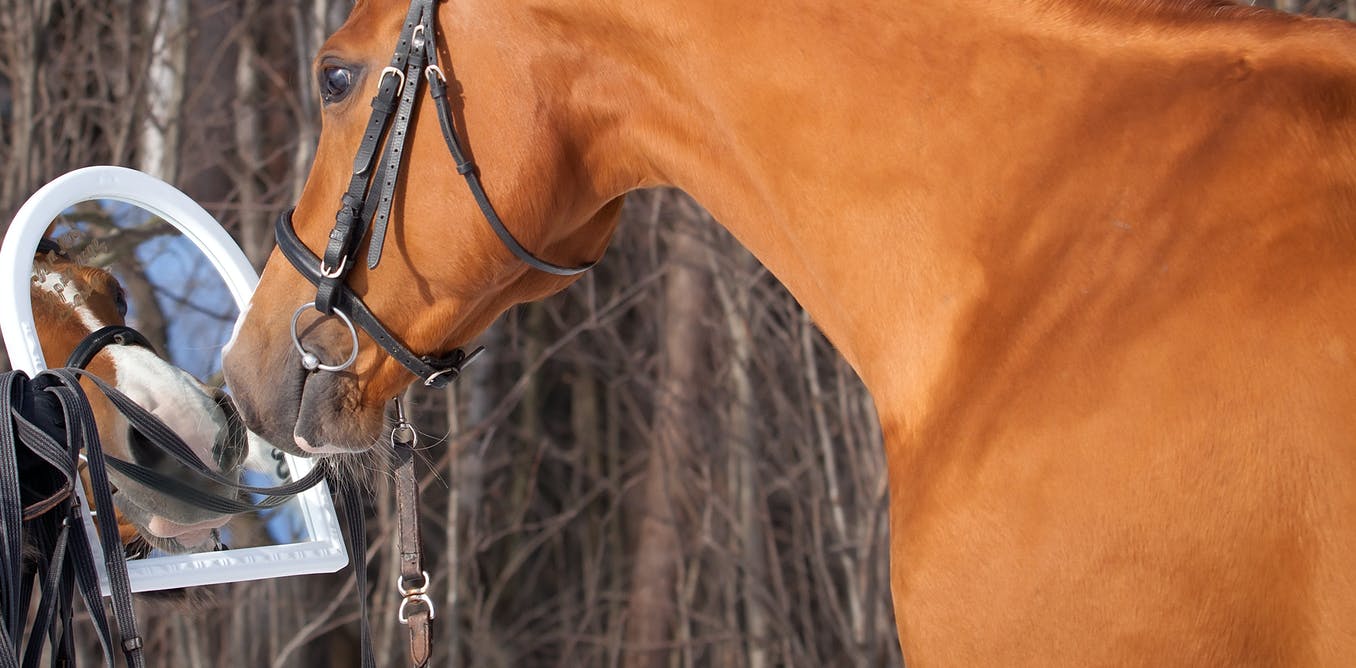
pixel 416 608
pixel 37 509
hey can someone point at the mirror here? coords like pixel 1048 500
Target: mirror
pixel 183 282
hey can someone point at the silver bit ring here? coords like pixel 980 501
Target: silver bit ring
pixel 309 360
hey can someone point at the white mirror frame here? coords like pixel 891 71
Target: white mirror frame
pixel 324 552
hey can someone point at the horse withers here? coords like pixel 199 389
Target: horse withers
pixel 70 302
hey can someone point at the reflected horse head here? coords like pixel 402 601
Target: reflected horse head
pixel 445 274
pixel 70 302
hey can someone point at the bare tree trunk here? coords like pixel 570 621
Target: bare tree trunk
pixel 451 613
pixel 733 290
pixel 24 22
pixel 159 140
pixel 652 608
pixel 312 24
pixel 255 233
pixel 832 480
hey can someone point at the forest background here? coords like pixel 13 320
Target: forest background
pixel 666 465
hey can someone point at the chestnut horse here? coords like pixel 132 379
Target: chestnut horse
pixel 1095 262
pixel 72 300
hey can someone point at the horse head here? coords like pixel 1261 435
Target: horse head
pixel 70 302
pixel 444 272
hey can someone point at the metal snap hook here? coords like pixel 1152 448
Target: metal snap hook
pixel 309 360
pixel 410 595
pixel 403 433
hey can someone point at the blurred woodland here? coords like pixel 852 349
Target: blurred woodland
pixel 666 465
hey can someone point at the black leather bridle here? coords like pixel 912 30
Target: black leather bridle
pixel 365 208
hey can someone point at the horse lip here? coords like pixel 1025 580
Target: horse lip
pixel 274 427
pixel 315 450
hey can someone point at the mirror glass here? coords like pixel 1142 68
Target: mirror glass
pixel 174 297
pixel 125 254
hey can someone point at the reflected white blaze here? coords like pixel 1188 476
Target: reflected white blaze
pixel 54 283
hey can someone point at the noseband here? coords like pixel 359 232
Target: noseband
pixel 366 206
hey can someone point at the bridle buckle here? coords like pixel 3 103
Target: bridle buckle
pixel 336 272
pixel 396 71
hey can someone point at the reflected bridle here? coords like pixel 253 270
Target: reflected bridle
pixel 366 205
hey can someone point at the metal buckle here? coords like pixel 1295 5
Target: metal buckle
pixel 455 369
pixel 309 360
pixel 417 37
pixel 396 71
pixel 434 69
pixel 336 272
pixel 413 595
pixel 428 382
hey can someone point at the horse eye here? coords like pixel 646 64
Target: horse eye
pixel 335 83
pixel 120 301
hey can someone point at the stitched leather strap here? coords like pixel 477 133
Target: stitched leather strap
pixel 416 610
pixel 390 162
pixel 357 205
pixel 21 435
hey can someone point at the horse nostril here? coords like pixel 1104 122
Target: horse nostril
pixel 143 451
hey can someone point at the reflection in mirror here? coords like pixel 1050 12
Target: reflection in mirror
pixel 119 264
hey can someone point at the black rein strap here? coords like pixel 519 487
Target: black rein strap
pixel 45 449
pixel 103 337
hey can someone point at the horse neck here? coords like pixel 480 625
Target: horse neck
pixel 898 165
